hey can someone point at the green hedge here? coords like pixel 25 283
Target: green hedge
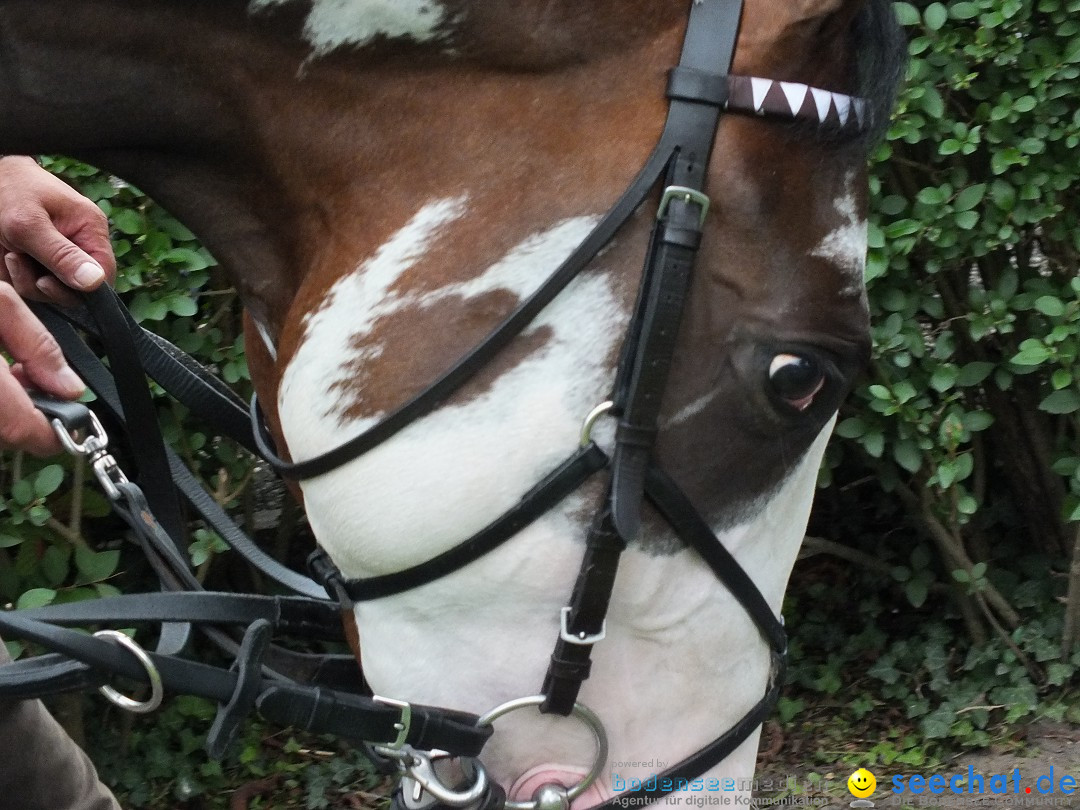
pixel 954 485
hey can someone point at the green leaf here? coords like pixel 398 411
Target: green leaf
pixel 9 540
pixel 23 492
pixel 35 598
pixel 95 566
pixel 974 373
pixel 851 428
pixel 967 219
pixel 969 197
pixel 1066 400
pixel 48 480
pixel 183 305
pixel 974 421
pixel 129 221
pixel 1050 305
pixel 906 13
pixel 944 377
pixel 935 16
pixel 963 11
pixel 1032 353
pixel 907 455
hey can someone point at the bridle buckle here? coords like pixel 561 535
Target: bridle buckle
pixel 402 726
pixel 582 638
pixel 687 195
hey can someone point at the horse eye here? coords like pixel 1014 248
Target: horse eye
pixel 796 379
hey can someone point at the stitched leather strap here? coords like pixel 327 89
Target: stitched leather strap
pixel 693 118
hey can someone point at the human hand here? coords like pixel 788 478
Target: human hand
pixel 53 238
pixel 39 364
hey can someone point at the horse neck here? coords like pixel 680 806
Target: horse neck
pixel 266 147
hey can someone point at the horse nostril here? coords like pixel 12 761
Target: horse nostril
pixel 796 379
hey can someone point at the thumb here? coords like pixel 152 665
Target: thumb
pixel 70 263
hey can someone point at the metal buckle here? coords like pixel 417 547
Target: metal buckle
pixel 581 638
pixel 157 690
pixel 402 726
pixel 688 195
pixel 95 448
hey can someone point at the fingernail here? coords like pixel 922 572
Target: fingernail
pixel 88 274
pixel 70 380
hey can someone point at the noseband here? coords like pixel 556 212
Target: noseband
pixel 699 90
pixel 276 680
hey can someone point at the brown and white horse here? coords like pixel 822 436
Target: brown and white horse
pixel 385 180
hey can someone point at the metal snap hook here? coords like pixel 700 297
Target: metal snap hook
pixel 157 690
pixel 419 766
pixel 583 713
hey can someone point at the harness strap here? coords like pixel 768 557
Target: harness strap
pixel 582 622
pixel 679 512
pixel 102 382
pixel 351 716
pixel 186 380
pixel 477 358
pixel 566 478
pixel 693 118
pixel 679 775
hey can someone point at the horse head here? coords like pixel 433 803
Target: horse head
pixel 388 182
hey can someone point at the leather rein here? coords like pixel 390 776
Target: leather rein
pixel 326 693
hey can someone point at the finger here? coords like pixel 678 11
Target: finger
pixel 24 276
pixel 31 345
pixel 35 233
pixel 22 426
pixel 57 293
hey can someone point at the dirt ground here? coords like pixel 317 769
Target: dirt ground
pixel 1051 751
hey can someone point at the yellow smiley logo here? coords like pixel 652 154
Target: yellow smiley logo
pixel 862 783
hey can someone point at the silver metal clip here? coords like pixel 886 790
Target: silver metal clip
pixel 418 767
pixel 95 448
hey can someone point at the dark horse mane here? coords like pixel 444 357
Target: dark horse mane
pixel 882 61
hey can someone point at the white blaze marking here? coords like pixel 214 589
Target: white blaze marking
pixel 332 24
pixel 845 246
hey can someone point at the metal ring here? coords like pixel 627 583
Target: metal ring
pixel 585 715
pixel 591 420
pixel 157 690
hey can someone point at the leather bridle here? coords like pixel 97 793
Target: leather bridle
pixel 315 694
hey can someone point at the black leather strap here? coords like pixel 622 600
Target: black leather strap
pixel 101 381
pixel 679 512
pixel 681 773
pixel 690 84
pixel 698 83
pixel 584 617
pixel 476 359
pixel 290 615
pixel 570 475
pixel 351 716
